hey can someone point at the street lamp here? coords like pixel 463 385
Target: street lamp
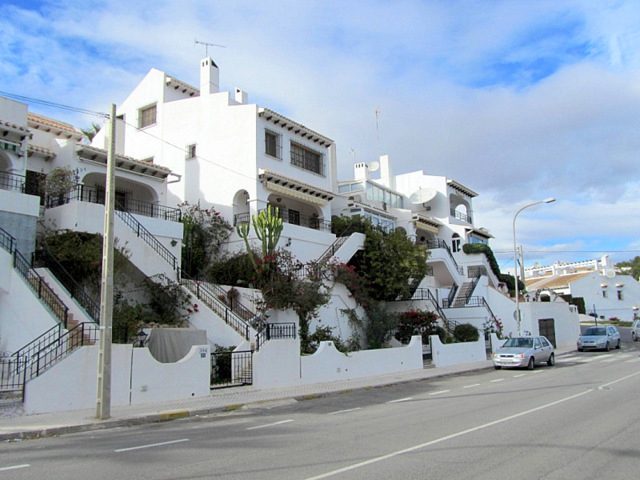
pixel 515 256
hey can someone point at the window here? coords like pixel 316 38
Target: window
pixel 147 116
pixel 294 217
pixel 604 294
pixel 620 295
pixel 455 242
pixel 191 151
pixel 307 159
pixel 272 145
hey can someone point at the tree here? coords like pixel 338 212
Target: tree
pixel 633 266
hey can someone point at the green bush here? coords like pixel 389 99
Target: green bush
pixel 465 332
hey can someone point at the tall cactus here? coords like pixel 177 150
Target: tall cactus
pixel 267 226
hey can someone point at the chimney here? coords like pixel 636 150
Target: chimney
pixel 360 171
pixel 209 77
pixel 241 96
pixel 386 175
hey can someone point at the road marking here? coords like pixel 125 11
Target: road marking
pixel 471 386
pixel 400 400
pixel 603 386
pixel 519 375
pixel 151 445
pixel 439 392
pixel 537 371
pixel 496 380
pixel 344 411
pixel 445 438
pixel 14 467
pixel 609 360
pixel 270 425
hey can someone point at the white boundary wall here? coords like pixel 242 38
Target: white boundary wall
pixel 456 353
pixel 278 363
pixel 136 378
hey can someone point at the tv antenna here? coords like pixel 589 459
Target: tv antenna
pixel 378 131
pixel 207 45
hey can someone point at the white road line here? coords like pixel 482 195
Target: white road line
pixel 344 411
pixel 471 386
pixel 151 445
pixel 400 400
pixel 496 380
pixel 518 375
pixel 439 392
pixel 537 371
pixel 270 425
pixel 618 380
pixel 444 439
pixel 14 467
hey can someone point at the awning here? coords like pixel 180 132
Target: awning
pixel 292 192
pixel 426 224
pixel 295 189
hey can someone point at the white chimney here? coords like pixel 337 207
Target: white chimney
pixel 241 96
pixel 209 77
pixel 361 171
pixel 386 175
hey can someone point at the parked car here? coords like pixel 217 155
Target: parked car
pixel 635 330
pixel 524 352
pixel 599 337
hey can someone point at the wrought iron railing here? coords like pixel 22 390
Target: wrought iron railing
pixel 289 216
pixel 40 354
pixel 12 181
pixel 86 193
pixel 7 241
pixel 461 216
pixel 439 243
pixel 275 331
pixel 229 369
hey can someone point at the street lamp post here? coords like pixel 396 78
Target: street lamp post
pixel 515 258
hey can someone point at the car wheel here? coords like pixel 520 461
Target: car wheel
pixel 580 349
pixel 608 347
pixel 552 360
pixel 497 367
pixel 634 337
pixel 618 345
pixel 532 363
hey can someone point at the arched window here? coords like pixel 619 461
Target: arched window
pixel 455 242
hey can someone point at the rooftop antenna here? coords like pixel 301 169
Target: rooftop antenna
pixel 378 131
pixel 352 152
pixel 207 45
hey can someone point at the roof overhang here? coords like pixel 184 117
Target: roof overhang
pixel 427 224
pixel 295 189
pixel 284 122
pixel 461 188
pixel 123 163
pixel 7 127
pixel 36 151
pixel 480 232
pixel 55 127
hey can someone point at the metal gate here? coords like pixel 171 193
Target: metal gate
pixel 547 328
pixel 231 369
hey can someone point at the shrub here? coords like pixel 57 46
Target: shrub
pixel 465 332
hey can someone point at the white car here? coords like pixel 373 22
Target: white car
pixel 635 330
pixel 524 352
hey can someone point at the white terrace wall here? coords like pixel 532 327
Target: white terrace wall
pixel 456 353
pixel 136 378
pixel 565 316
pixel 278 363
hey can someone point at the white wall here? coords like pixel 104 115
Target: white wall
pixel 137 377
pixel 565 316
pixel 456 353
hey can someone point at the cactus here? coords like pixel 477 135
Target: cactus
pixel 267 226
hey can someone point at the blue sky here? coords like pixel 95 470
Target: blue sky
pixel 519 100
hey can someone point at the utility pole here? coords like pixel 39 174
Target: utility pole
pixel 103 394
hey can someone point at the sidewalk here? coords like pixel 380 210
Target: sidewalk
pixel 14 426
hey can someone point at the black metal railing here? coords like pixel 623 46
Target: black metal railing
pixel 230 369
pixel 439 243
pixel 7 241
pixel 461 216
pixel 289 216
pixel 447 302
pixel 44 257
pixel 86 193
pixel 212 296
pixel 149 239
pixel 41 288
pixel 275 331
pixel 43 352
pixel 12 181
pixel 425 294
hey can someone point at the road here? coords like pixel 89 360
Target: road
pixel 576 420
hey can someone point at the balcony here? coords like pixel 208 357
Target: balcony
pixel 12 181
pixel 290 216
pixel 461 216
pixel 85 193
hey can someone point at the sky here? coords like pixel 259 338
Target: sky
pixel 519 100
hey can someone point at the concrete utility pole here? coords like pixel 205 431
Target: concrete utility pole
pixel 103 394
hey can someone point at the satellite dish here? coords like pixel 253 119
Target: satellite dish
pixel 373 166
pixel 424 195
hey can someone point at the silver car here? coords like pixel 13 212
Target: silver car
pixel 524 352
pixel 599 337
pixel 635 330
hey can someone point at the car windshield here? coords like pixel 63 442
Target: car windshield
pixel 595 332
pixel 519 343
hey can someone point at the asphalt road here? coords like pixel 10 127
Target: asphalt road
pixel 576 420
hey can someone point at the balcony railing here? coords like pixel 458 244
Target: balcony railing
pixel 12 181
pixel 291 217
pixel 461 216
pixel 85 193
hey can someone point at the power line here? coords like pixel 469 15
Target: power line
pixel 54 105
